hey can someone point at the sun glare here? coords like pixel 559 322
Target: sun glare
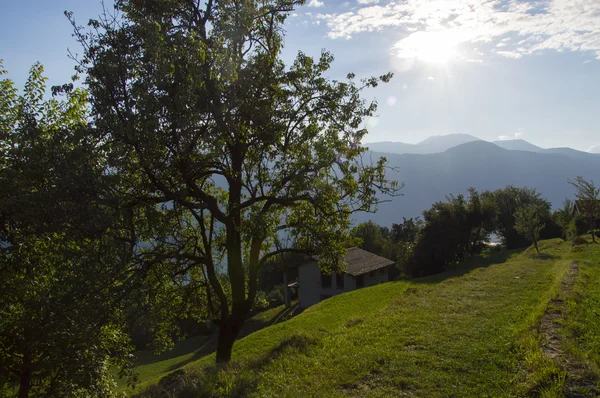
pixel 430 47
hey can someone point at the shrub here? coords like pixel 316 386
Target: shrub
pixel 275 297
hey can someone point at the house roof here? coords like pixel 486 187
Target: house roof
pixel 360 261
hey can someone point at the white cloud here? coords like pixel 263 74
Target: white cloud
pixel 515 136
pixel 391 100
pixel 510 54
pixel 431 78
pixel 367 1
pixel 315 3
pixel 535 26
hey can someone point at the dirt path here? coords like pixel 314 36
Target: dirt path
pixel 578 383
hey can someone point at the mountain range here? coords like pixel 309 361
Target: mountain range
pixel 443 165
pixel 441 143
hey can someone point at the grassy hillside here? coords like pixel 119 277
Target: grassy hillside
pixel 473 332
pixel 150 367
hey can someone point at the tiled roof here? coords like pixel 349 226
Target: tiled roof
pixel 360 261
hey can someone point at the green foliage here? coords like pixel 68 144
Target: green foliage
pixel 374 238
pixel 406 231
pixel 588 202
pixel 202 118
pixel 508 201
pixel 452 231
pixel 563 216
pixel 582 321
pixel 61 263
pixel 528 223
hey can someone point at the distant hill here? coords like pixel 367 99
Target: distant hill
pixel 441 143
pixel 518 145
pixel 483 165
pixel 571 153
pixel 433 144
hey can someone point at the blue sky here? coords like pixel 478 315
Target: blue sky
pixel 496 69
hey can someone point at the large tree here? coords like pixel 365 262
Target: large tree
pixel 508 200
pixel 201 115
pixel 63 268
pixel 452 231
pixel 588 202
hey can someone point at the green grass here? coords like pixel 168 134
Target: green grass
pixel 472 332
pixel 583 316
pixel 151 367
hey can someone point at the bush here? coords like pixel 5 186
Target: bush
pixel 275 297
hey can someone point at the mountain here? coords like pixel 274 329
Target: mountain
pixel 433 144
pixel 518 145
pixel 571 152
pixel 441 143
pixel 480 164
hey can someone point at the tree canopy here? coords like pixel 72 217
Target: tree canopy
pixel 588 202
pixel 528 223
pixel 252 158
pixel 62 265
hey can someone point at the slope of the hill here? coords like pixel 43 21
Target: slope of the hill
pixel 518 145
pixel 479 164
pixel 472 332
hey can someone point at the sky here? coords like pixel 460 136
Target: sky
pixel 495 69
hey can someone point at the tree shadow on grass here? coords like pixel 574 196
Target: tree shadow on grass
pixel 254 324
pixel 468 265
pixel 239 377
pixel 545 256
pixel 207 348
pixel 183 347
pixel 209 345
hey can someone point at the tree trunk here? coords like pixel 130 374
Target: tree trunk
pixel 536 246
pixel 25 383
pixel 228 332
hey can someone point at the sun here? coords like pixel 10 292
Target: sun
pixel 439 47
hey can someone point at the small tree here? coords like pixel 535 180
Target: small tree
pixel 588 201
pixel 528 223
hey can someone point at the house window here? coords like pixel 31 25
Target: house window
pixel 360 281
pixel 382 270
pixel 325 281
pixel 339 280
pixel 371 274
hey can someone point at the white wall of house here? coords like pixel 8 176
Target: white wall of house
pixel 311 291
